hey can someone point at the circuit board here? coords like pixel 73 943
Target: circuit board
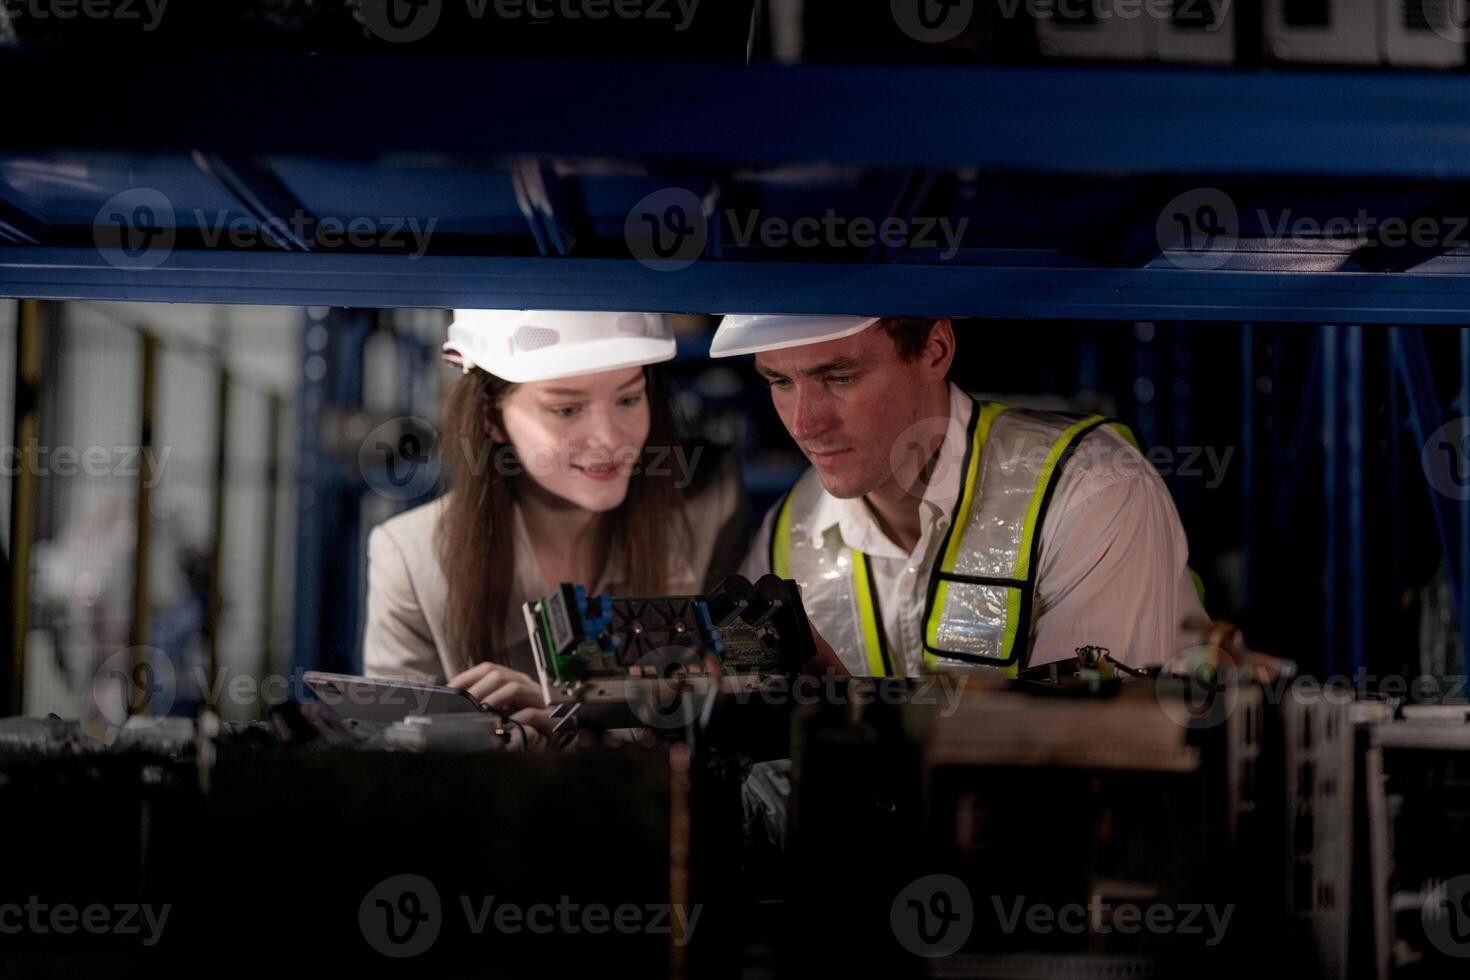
pixel 583 637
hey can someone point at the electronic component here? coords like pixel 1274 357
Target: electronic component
pixel 604 659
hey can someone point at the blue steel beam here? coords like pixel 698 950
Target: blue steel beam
pixel 1157 293
pixel 1046 118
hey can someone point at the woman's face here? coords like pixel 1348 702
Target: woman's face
pixel 580 438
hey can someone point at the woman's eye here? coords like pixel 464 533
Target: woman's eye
pixel 564 412
pixel 630 400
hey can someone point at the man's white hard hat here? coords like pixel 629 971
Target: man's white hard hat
pixel 540 345
pixel 745 334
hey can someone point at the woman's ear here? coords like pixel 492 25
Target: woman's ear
pixel 494 432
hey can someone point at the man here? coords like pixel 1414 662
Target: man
pixel 932 531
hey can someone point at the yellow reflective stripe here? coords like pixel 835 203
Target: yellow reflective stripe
pixel 989 411
pixel 781 538
pixel 1126 433
pixel 862 591
pixel 1029 530
pixel 1199 583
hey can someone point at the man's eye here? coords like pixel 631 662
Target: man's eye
pixel 777 382
pixel 840 379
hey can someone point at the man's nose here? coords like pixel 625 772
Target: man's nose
pixel 809 415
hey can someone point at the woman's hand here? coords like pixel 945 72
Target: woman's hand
pixel 512 693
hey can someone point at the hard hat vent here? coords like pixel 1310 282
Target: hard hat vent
pixel 535 338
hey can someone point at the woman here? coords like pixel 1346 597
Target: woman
pixel 563 465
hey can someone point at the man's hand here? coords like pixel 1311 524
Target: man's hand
pixel 508 691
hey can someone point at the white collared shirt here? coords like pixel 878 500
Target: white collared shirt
pixel 1113 567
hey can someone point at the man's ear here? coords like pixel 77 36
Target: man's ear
pixel 939 351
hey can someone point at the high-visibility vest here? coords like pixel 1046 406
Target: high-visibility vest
pixel 983 584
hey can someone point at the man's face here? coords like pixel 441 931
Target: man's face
pixel 846 402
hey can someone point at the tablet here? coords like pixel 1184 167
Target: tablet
pixel 384 700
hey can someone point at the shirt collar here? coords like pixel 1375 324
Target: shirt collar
pixel 854 519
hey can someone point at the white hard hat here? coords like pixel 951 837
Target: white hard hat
pixel 539 345
pixel 740 334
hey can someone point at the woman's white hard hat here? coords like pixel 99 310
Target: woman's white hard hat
pixel 747 334
pixel 541 345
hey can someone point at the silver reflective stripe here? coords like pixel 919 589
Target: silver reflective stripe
pixel 974 617
pixel 823 569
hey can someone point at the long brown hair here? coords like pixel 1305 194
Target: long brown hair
pixel 474 539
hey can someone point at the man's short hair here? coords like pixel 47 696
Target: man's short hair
pixel 910 334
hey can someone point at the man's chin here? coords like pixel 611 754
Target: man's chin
pixel 842 486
